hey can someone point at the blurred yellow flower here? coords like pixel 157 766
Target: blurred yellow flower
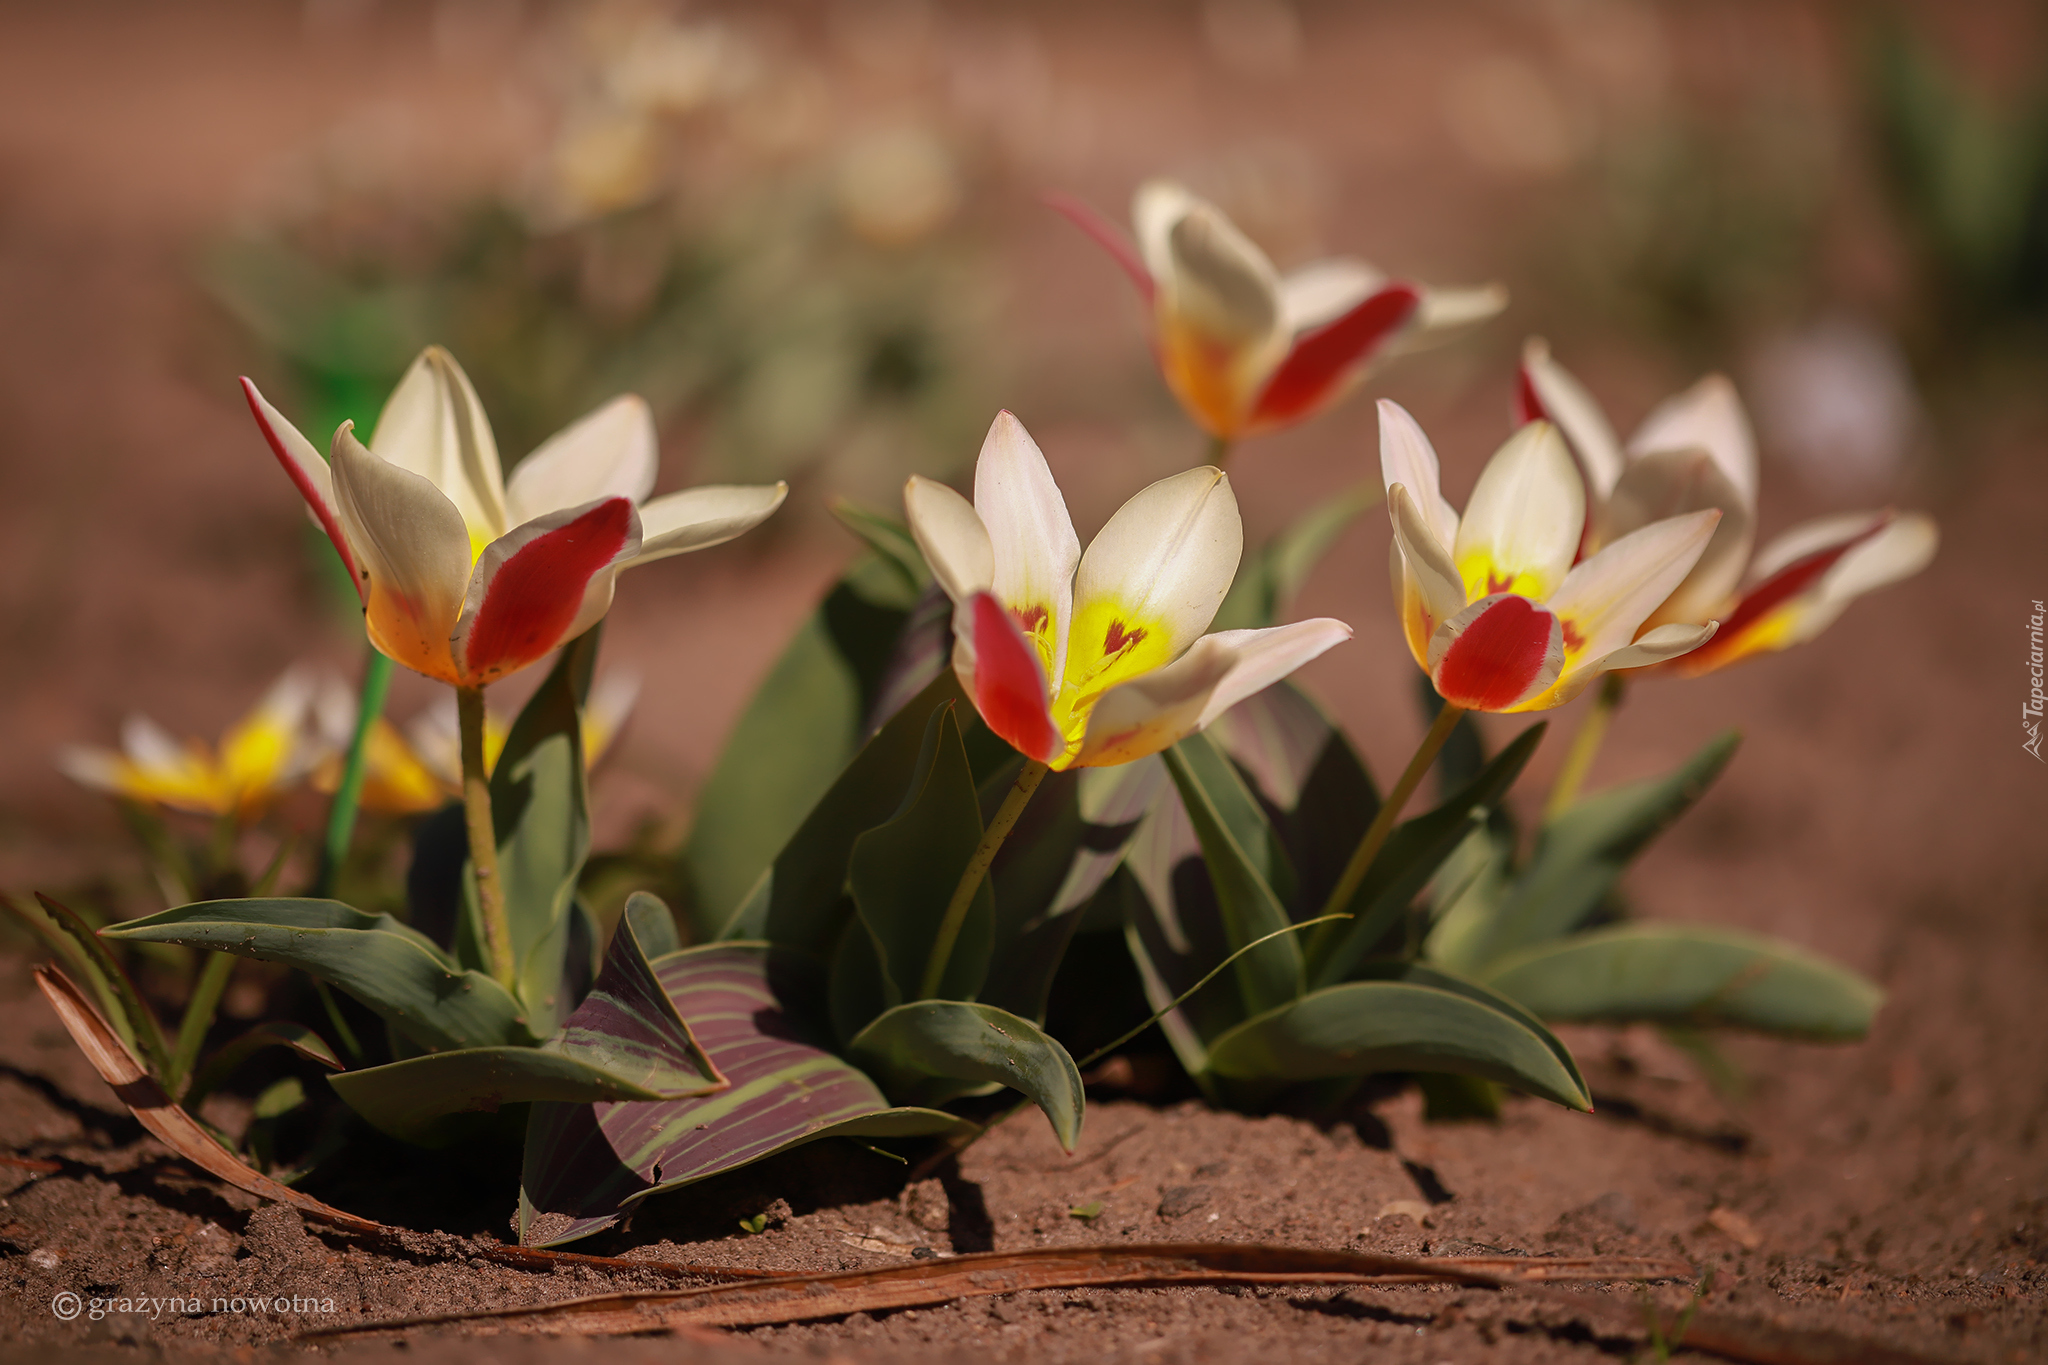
pixel 260 757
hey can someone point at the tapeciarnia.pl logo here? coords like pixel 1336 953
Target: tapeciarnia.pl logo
pixel 2030 713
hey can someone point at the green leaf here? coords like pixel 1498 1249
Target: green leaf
pixel 889 539
pixel 903 872
pixel 277 1033
pixel 399 973
pixel 540 806
pixel 1363 1027
pixel 628 1028
pixel 1412 855
pixel 794 738
pixel 930 1051
pixel 1243 857
pixel 653 924
pixel 124 1006
pixel 586 1164
pixel 1422 974
pixel 1689 974
pixel 799 901
pixel 1264 587
pixel 1470 889
pixel 424 1100
pixel 1581 854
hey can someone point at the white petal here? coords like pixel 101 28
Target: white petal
pixel 1029 531
pixel 412 549
pixel 1665 642
pixel 698 518
pixel 1155 208
pixel 1606 598
pixel 434 426
pixel 95 768
pixel 1521 526
pixel 1811 537
pixel 1220 284
pixel 951 536
pixel 1264 657
pixel 1424 558
pixel 1166 558
pixel 1325 290
pixel 1669 483
pixel 149 745
pixel 1566 402
pixel 1407 458
pixel 1900 550
pixel 1707 415
pixel 307 471
pixel 609 453
pixel 1444 313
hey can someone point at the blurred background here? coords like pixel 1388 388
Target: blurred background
pixel 811 234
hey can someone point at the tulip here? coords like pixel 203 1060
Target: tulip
pixel 1097 659
pixel 1247 350
pixel 1696 451
pixel 1493 605
pixel 260 757
pixel 467 576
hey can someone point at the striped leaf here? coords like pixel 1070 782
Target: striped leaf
pixel 586 1164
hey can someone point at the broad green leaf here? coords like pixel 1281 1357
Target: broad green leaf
pixel 1244 859
pixel 793 740
pixel 1412 855
pixel 1689 974
pixel 902 873
pixel 1423 974
pixel 799 902
pixel 540 805
pixel 585 1164
pixel 400 974
pixel 1265 586
pixel 1316 793
pixel 1581 854
pixel 60 926
pixel 653 924
pixel 930 1051
pixel 1470 889
pixel 424 1100
pixel 628 1028
pixel 1173 928
pixel 1363 1027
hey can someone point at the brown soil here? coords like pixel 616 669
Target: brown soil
pixel 1879 811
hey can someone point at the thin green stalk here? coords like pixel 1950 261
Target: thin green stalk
pixel 1383 823
pixel 341 1028
pixel 1578 760
pixel 341 816
pixel 971 877
pixel 199 1012
pixel 483 834
pixel 1219 450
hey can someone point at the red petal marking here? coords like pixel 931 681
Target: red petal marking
pixel 322 509
pixel 1491 663
pixel 1118 639
pixel 1781 587
pixel 1009 683
pixel 1324 355
pixel 535 594
pixel 1029 619
pixel 1528 403
pixel 1106 235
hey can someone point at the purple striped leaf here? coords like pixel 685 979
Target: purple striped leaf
pixel 586 1164
pixel 629 1027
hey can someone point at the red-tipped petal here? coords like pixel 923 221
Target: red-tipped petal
pixel 1732 641
pixel 1106 235
pixel 533 595
pixel 1009 683
pixel 1497 652
pixel 1323 357
pixel 1528 403
pixel 307 471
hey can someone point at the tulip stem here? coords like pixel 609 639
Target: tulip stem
pixel 1578 760
pixel 976 871
pixel 348 797
pixel 1219 450
pixel 483 834
pixel 1382 825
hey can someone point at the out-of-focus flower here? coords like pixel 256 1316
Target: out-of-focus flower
pixel 1493 605
pixel 467 576
pixel 897 185
pixel 1097 659
pixel 1694 452
pixel 420 768
pixel 1837 400
pixel 260 758
pixel 1247 350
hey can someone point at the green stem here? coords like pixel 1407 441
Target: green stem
pixel 1578 760
pixel 976 870
pixel 483 834
pixel 1383 822
pixel 341 816
pixel 199 1012
pixel 341 1028
pixel 1219 450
